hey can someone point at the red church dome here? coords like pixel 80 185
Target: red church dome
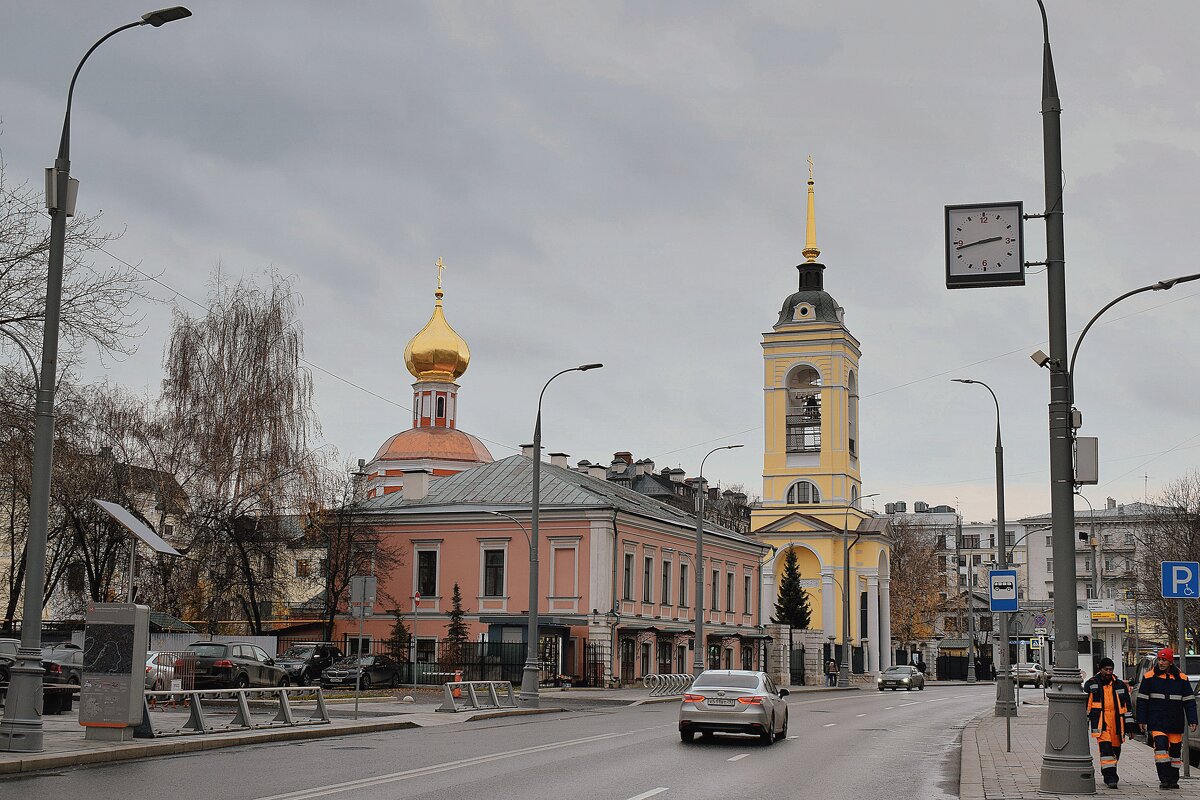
pixel 449 444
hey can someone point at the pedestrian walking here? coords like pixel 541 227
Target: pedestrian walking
pixel 831 673
pixel 1164 700
pixel 1109 716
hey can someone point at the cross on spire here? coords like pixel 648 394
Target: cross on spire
pixel 440 266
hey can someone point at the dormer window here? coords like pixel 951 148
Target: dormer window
pixel 804 312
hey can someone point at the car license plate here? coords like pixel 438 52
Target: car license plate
pixel 716 701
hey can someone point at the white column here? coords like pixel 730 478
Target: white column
pixel 769 596
pixel 829 604
pixel 885 623
pixel 872 623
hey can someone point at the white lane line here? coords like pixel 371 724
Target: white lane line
pixel 829 724
pixel 738 757
pixel 902 705
pixel 793 737
pixel 860 715
pixel 934 700
pixel 433 769
pixel 888 708
pixel 651 793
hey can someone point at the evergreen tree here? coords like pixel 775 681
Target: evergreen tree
pixel 792 608
pixel 455 645
pixel 399 639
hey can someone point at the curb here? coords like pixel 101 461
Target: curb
pixel 970 770
pixel 511 712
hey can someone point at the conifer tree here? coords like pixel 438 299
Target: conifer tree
pixel 792 608
pixel 455 646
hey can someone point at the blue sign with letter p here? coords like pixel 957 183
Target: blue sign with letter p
pixel 1181 580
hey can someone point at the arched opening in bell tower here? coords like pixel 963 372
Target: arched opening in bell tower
pixel 852 443
pixel 803 410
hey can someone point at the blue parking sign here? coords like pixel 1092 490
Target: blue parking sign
pixel 1002 590
pixel 1181 580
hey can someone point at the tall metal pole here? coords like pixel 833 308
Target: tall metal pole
pixel 700 651
pixel 1006 705
pixel 1067 760
pixel 21 727
pixel 971 678
pixel 844 670
pixel 531 676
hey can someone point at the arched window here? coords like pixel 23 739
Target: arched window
pixel 803 434
pixel 854 496
pixel 441 407
pixel 803 492
pixel 852 444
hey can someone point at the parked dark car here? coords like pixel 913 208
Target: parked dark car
pixel 305 661
pixel 235 665
pixel 63 664
pixel 8 657
pixel 376 671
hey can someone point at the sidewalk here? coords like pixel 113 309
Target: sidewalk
pixel 65 745
pixel 990 773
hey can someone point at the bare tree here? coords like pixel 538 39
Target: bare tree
pixel 238 398
pixel 916 582
pixel 95 297
pixel 1173 534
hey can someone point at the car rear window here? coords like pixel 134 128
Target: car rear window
pixel 731 681
pixel 207 649
pixel 899 671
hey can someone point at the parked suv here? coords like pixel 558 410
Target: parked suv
pixel 305 661
pixel 235 665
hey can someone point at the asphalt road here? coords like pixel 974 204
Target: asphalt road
pixel 847 746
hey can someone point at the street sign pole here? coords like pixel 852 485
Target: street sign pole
pixel 1181 638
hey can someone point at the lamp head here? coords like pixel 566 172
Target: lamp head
pixel 1040 358
pixel 962 380
pixel 586 367
pixel 165 15
pixel 1170 284
pixel 732 446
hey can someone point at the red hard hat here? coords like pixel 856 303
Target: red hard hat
pixel 1167 653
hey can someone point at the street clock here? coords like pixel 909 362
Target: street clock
pixel 985 245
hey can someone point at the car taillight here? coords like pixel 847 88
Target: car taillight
pixel 223 663
pixel 53 668
pixel 752 700
pixel 693 698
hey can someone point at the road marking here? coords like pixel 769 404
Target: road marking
pixel 793 737
pixel 888 708
pixel 433 769
pixel 829 724
pixel 934 700
pixel 738 757
pixel 860 715
pixel 652 792
pixel 902 705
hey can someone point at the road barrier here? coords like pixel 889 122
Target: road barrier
pixel 200 719
pixel 475 695
pixel 664 685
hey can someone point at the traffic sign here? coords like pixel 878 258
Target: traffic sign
pixel 1039 620
pixel 1040 631
pixel 1181 580
pixel 1002 589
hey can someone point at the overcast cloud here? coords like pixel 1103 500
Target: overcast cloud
pixel 624 182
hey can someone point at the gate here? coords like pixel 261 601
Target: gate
pixel 627 668
pixel 797 669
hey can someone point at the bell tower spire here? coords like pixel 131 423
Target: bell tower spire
pixel 811 251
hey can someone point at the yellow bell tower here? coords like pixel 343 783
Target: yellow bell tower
pixel 811 465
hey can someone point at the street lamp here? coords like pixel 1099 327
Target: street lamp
pixel 844 671
pixel 516 521
pixel 21 728
pixel 531 677
pixel 1005 703
pixel 701 651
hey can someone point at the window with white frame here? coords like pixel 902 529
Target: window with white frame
pixel 802 493
pixel 666 582
pixel 493 572
pixel 648 580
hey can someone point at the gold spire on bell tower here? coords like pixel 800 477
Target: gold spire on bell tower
pixel 811 251
pixel 437 352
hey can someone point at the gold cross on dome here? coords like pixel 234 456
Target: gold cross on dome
pixel 810 165
pixel 440 266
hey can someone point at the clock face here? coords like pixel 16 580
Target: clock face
pixel 984 245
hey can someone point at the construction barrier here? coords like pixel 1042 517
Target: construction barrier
pixel 475 695
pixel 665 685
pixel 202 719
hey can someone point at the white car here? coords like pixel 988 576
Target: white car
pixel 734 701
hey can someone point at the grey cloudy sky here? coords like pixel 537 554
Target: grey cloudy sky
pixel 624 182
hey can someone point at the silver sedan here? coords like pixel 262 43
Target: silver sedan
pixel 733 701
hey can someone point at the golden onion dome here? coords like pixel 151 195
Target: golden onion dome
pixel 437 352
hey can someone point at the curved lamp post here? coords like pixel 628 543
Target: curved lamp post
pixel 1005 702
pixel 531 677
pixel 701 650
pixel 21 728
pixel 847 546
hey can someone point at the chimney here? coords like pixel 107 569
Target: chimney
pixel 676 475
pixel 597 471
pixel 901 507
pixel 624 456
pixel 559 460
pixel 639 469
pixel 648 465
pixel 1111 504
pixel 416 484
pixel 889 508
pixel 527 450
pixel 920 506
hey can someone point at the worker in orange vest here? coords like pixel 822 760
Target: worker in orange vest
pixel 1164 700
pixel 1109 717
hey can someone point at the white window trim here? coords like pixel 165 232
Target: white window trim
pixel 500 543
pixel 425 547
pixel 564 544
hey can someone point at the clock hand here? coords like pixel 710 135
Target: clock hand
pixel 981 241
